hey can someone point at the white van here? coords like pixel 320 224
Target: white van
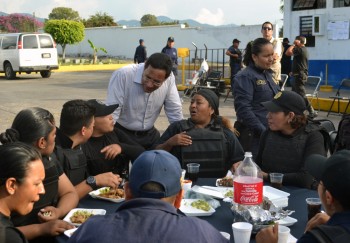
pixel 27 52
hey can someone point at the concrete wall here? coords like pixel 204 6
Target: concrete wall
pixel 122 41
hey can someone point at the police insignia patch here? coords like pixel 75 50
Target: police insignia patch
pixel 260 82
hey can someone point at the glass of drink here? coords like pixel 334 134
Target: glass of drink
pixel 192 171
pixel 313 207
pixel 276 180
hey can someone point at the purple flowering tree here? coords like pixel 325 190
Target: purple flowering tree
pixel 15 23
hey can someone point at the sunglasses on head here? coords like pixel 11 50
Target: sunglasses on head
pixel 266 28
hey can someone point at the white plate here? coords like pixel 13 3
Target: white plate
pixel 208 192
pixel 287 221
pixel 96 194
pixel 93 211
pixel 70 232
pixel 187 209
pixel 223 190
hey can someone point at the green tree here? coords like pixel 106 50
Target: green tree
pixel 15 23
pixel 64 13
pixel 99 19
pixel 169 23
pixel 96 49
pixel 65 32
pixel 149 20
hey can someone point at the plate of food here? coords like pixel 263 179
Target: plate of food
pixel 196 207
pixel 77 216
pixel 226 191
pixel 109 194
pixel 70 232
pixel 225 182
pixel 287 221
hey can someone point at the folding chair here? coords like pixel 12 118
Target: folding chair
pixel 314 83
pixel 284 78
pixel 344 83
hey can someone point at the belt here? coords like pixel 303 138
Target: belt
pixel 136 133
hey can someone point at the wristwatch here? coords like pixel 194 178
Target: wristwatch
pixel 91 181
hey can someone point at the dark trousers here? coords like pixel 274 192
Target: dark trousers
pixel 234 70
pixel 298 86
pixel 145 138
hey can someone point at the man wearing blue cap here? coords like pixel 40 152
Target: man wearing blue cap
pixel 149 215
pixel 140 53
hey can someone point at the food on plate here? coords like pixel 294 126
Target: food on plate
pixel 229 193
pixel 226 181
pixel 47 213
pixel 201 204
pixel 111 193
pixel 80 216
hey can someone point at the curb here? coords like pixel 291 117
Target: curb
pixel 90 67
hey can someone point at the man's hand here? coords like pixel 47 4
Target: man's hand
pixel 111 151
pixel 108 179
pixel 318 219
pixel 267 235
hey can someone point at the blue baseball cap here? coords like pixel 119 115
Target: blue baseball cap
pixel 157 166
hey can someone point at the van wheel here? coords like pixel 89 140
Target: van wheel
pixel 45 74
pixel 9 73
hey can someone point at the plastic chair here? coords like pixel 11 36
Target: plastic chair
pixel 313 82
pixel 284 78
pixel 344 83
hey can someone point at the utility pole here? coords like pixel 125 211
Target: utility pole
pixel 34 30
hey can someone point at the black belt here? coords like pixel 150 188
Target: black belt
pixel 136 133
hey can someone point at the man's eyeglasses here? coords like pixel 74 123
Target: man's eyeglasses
pixel 266 28
pixel 154 82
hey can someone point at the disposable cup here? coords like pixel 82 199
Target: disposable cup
pixel 226 235
pixel 187 184
pixel 242 231
pixel 283 234
pixel 313 207
pixel 208 84
pixel 276 180
pixel 192 171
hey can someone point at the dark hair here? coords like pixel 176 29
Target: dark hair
pixel 76 114
pixel 254 47
pixel 297 121
pixel 301 39
pixel 14 160
pixel 160 61
pixel 267 22
pixel 28 126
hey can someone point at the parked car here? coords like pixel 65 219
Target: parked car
pixel 27 52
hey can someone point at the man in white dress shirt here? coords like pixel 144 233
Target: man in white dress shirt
pixel 141 90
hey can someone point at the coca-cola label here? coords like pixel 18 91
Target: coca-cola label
pixel 248 194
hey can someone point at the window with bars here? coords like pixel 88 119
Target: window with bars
pixel 309 4
pixel 306 30
pixel 341 3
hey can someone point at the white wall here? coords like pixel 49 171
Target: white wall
pixel 121 41
pixel 324 49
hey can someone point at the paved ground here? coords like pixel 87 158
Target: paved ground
pixel 32 90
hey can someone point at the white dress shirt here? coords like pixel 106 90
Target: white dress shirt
pixel 137 109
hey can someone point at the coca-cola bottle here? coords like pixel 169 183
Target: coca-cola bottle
pixel 248 190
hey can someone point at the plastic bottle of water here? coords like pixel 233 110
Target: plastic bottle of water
pixel 248 189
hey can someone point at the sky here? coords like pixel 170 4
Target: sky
pixel 214 12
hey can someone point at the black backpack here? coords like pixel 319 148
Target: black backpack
pixel 330 234
pixel 324 126
pixel 342 140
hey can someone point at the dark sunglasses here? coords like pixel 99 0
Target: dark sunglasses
pixel 266 28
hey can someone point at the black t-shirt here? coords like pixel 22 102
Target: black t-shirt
pixel 300 60
pixel 8 233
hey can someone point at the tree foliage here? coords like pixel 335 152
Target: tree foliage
pixel 99 19
pixel 19 23
pixel 149 20
pixel 65 32
pixel 64 13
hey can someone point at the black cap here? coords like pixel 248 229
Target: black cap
pixel 285 40
pixel 101 108
pixel 212 99
pixel 171 39
pixel 286 101
pixel 141 40
pixel 334 172
pixel 236 41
